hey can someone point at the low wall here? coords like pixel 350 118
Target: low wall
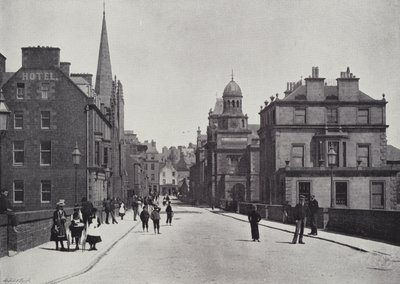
pixel 379 224
pixel 33 229
pixel 246 208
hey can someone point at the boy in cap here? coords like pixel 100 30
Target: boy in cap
pixel 299 213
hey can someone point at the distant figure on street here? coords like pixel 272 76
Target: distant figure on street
pixel 167 198
pixel 313 209
pixel 285 212
pixel 155 216
pixel 5 208
pixel 107 208
pixel 122 210
pixel 144 217
pixel 87 207
pixel 135 206
pixel 58 231
pixel 300 213
pixel 254 218
pixel 76 226
pixel 93 235
pixel 170 213
pixel 113 205
pixel 164 202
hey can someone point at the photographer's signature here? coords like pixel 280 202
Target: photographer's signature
pixel 16 280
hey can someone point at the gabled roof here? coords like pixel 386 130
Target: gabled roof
pixel 219 106
pixel 393 153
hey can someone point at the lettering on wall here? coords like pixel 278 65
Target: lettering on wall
pixel 33 76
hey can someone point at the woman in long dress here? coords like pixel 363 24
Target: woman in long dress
pixel 93 234
pixel 58 231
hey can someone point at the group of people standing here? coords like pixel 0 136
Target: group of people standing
pixel 84 225
pixel 300 212
pixel 155 216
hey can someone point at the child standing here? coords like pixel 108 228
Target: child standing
pixel 155 216
pixel 93 235
pixel 122 210
pixel 144 217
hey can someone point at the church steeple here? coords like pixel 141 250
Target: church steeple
pixel 103 85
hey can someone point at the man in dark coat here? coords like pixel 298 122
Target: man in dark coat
pixel 299 214
pixel 87 207
pixel 313 209
pixel 135 206
pixel 5 208
pixel 254 218
pixel 107 208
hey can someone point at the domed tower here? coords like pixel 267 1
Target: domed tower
pixel 232 117
pixel 232 98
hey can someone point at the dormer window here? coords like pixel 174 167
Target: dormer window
pixel 332 115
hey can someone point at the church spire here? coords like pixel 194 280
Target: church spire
pixel 103 86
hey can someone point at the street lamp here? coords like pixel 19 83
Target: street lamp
pixel 76 159
pixel 107 177
pixel 4 115
pixel 332 162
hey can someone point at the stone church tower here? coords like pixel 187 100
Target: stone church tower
pixel 110 93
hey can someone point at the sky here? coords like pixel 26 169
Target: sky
pixel 175 57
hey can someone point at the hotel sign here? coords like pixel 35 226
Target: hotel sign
pixel 33 76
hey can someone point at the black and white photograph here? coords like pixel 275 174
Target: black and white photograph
pixel 199 141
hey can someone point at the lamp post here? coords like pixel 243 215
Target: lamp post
pixel 76 159
pixel 332 162
pixel 4 115
pixel 107 177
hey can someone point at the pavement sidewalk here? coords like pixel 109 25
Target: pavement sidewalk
pixel 357 243
pixel 43 264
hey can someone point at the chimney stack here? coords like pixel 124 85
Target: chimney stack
pixel 40 57
pixel 2 63
pixel 65 66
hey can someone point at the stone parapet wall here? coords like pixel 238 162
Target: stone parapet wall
pixel 33 229
pixel 379 224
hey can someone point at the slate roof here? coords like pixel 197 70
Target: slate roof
pixel 328 90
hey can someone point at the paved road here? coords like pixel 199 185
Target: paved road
pixel 205 247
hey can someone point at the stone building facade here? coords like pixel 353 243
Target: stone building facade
pixel 168 179
pixel 152 166
pixel 228 136
pixel 135 165
pixel 297 132
pixel 50 114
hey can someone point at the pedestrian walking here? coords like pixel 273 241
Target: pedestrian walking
pixel 76 226
pixel 107 208
pixel 285 212
pixel 170 213
pixel 135 206
pixel 144 217
pixel 93 234
pixel 122 210
pixel 58 231
pixel 5 208
pixel 155 216
pixel 113 205
pixel 300 213
pixel 313 209
pixel 87 207
pixel 254 217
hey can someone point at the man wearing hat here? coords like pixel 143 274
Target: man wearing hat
pixel 299 213
pixel 313 208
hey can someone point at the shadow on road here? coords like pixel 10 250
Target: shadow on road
pixel 284 243
pixel 243 241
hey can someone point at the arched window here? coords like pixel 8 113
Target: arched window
pixel 237 104
pixel 233 103
pixel 242 123
pixel 229 104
